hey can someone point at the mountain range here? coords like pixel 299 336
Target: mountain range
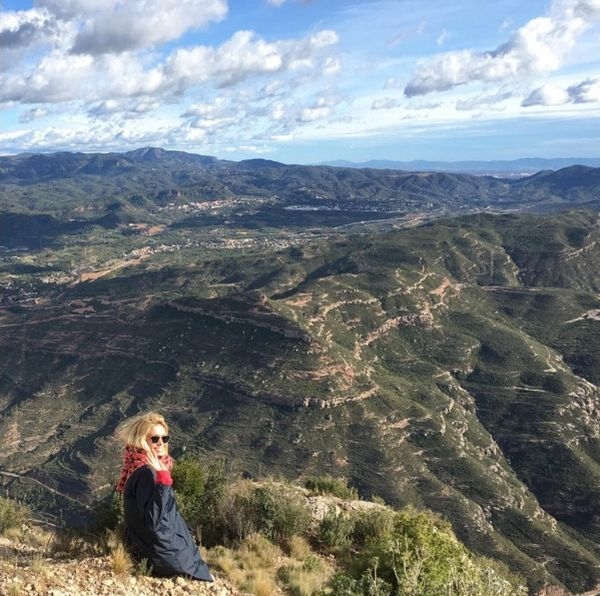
pixel 432 337
pixel 513 167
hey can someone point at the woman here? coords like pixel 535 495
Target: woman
pixel 154 529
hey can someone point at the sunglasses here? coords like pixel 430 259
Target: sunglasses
pixel 156 438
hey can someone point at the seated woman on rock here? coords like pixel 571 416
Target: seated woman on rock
pixel 154 529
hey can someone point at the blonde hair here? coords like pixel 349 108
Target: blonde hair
pixel 133 432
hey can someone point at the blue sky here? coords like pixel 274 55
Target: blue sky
pixel 303 81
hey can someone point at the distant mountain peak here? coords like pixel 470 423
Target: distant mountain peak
pixel 147 153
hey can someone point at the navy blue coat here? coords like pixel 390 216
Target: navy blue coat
pixel 154 529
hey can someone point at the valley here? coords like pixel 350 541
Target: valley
pixel 433 338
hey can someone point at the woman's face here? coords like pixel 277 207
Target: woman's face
pixel 159 448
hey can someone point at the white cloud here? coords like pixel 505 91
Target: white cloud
pixel 217 107
pixel 71 9
pixel 22 28
pixel 127 108
pixel 406 35
pixel 538 47
pixel 63 77
pixel 478 102
pixel 124 26
pixel 244 55
pixel 386 103
pixel 32 114
pixel 442 37
pixel 587 91
pixel 57 78
pixel 319 110
pixel 330 66
pixel 547 95
pixel 278 111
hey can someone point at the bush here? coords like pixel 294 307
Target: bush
pixel 417 554
pixel 200 494
pixel 108 515
pixel 330 485
pixel 372 526
pixel 12 514
pixel 367 585
pixel 189 481
pixel 269 509
pixel 335 530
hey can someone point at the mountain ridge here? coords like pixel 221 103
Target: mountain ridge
pixel 520 166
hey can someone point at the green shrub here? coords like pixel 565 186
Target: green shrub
pixel 189 480
pixel 12 514
pixel 108 515
pixel 417 554
pixel 373 525
pixel 335 530
pixel 330 485
pixel 269 509
pixel 200 494
pixel 367 585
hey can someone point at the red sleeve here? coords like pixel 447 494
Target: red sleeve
pixel 164 477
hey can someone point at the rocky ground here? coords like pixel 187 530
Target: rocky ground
pixel 29 568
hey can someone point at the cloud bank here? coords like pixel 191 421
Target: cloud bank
pixel 104 54
pixel 540 46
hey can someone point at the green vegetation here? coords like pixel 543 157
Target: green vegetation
pixel 451 365
pixel 12 515
pixel 330 485
pixel 270 538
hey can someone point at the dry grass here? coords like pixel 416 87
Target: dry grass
pixel 298 548
pixel 258 552
pixel 41 570
pixel 260 583
pixel 120 560
pixel 39 565
pixel 224 560
pixel 259 567
pixel 15 589
pixel 71 544
pixel 13 533
pixel 119 557
pixel 306 579
pixel 221 558
pixel 252 567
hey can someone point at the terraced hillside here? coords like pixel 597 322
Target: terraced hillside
pixel 450 365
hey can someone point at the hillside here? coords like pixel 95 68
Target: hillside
pixel 450 365
pixel 261 539
pixel 111 188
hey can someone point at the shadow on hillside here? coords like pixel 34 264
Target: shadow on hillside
pixel 279 217
pixel 34 232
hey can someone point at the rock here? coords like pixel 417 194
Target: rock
pixel 60 554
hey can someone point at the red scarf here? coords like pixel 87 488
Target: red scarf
pixel 134 458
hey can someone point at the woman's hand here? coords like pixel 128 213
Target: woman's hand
pixel 153 460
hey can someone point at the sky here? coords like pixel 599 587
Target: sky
pixel 303 81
